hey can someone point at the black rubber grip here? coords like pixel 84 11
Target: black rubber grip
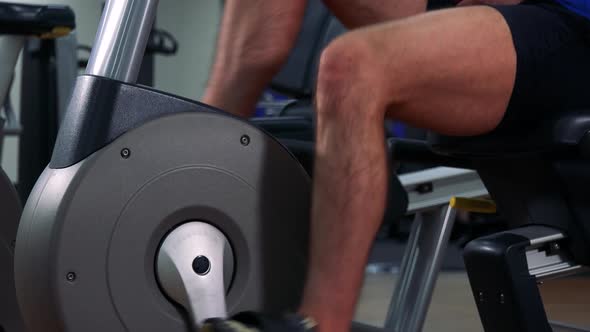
pixel 40 20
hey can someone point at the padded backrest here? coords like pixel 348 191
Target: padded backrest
pixel 297 77
pixel 334 28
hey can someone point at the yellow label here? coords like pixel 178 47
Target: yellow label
pixel 56 33
pixel 473 205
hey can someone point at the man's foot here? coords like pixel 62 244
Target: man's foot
pixel 254 322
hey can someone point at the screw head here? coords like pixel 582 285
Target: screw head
pixel 555 246
pixel 201 265
pixel 71 276
pixel 425 188
pixel 245 140
pixel 125 153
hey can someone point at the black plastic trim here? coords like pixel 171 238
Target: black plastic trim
pixel 507 296
pixel 22 19
pixel 101 110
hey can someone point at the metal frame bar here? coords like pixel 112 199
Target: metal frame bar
pixel 434 187
pixel 563 327
pixel 121 39
pixel 429 193
pixel 419 270
pixel 10 46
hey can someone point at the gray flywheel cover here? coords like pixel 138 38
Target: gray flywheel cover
pixel 104 218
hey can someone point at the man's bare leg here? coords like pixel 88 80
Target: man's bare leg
pixel 450 71
pixel 255 39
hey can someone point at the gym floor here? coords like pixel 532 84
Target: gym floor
pixel 453 308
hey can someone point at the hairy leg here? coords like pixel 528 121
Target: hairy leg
pixel 451 71
pixel 255 39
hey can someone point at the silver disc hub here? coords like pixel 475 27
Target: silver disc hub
pixel 194 267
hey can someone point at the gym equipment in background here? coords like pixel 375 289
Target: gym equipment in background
pixel 49 71
pixel 18 22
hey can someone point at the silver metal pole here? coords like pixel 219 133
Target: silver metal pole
pixel 10 47
pixel 422 260
pixel 121 39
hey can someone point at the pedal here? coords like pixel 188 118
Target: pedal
pixel 194 267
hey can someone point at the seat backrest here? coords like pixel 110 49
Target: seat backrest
pixel 1 136
pixel 297 77
pixel 334 28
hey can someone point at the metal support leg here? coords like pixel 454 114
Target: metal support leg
pixel 563 327
pixel 420 266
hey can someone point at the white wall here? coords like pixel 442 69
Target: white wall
pixel 193 22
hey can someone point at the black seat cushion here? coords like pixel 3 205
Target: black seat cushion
pixel 43 20
pixel 563 132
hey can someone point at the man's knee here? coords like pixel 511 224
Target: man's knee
pixel 348 70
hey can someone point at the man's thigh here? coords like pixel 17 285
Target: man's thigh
pixel 454 71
